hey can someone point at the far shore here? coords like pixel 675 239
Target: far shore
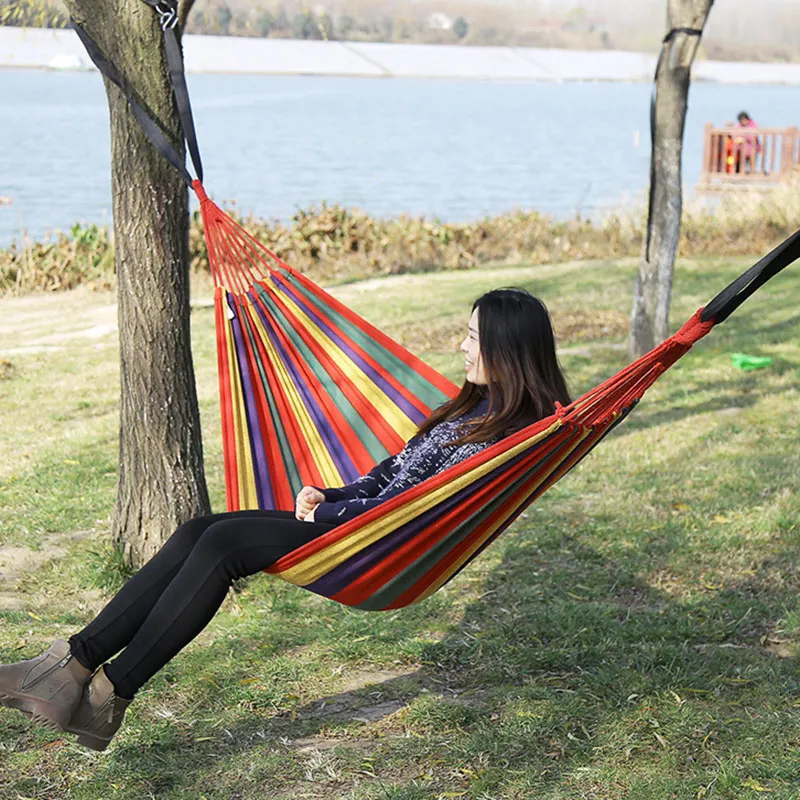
pixel 38 48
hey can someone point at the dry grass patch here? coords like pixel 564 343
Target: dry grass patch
pixel 571 326
pixel 333 244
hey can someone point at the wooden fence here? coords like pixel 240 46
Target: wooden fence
pixel 734 156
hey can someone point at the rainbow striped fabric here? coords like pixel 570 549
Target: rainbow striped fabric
pixel 313 394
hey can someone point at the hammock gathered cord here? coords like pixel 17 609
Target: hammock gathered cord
pixel 313 394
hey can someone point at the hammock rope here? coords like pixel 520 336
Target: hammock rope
pixel 311 393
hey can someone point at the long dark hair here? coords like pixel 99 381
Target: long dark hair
pixel 518 351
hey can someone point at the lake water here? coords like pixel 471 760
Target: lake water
pixel 457 150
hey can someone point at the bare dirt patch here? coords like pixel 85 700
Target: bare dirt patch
pixel 16 561
pixel 366 696
pixel 53 322
pixel 7 370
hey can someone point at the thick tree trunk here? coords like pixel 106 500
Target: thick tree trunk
pixel 161 478
pixel 650 313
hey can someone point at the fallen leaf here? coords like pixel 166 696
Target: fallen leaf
pixel 753 784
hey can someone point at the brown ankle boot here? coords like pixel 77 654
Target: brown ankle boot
pixel 47 687
pixel 99 713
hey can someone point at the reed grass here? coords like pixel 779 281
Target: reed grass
pixel 83 256
pixel 332 243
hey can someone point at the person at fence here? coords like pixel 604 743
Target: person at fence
pixel 745 148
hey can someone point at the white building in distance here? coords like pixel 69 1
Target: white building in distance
pixel 439 21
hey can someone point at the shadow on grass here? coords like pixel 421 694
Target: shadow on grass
pixel 597 645
pixel 581 650
pixel 537 679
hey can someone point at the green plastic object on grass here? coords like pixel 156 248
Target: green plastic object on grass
pixel 743 361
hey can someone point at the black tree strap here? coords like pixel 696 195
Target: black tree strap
pixel 167 11
pixel 730 298
pixel 153 130
pixel 667 39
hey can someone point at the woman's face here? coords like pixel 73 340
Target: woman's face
pixel 471 348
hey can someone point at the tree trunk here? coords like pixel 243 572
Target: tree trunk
pixel 161 477
pixel 651 301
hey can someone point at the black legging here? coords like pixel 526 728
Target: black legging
pixel 175 595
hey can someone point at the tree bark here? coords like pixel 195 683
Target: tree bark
pixel 161 478
pixel 651 301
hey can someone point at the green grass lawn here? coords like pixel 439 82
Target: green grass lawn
pixel 633 635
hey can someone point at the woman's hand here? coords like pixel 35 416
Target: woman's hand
pixel 308 498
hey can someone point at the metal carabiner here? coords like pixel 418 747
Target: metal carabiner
pixel 167 14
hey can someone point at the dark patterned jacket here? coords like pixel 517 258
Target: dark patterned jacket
pixel 422 458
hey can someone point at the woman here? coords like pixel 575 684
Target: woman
pixel 512 380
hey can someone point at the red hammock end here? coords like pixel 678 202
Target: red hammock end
pixel 200 191
pixel 692 330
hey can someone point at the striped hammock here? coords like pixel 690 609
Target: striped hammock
pixel 313 394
